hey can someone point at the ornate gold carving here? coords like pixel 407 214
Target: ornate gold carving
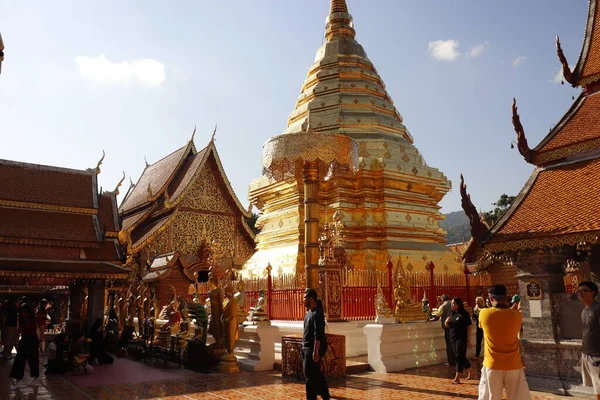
pixel 550 155
pixel 97 169
pixel 49 207
pixel 219 228
pixel 119 185
pixel 69 275
pixel 206 194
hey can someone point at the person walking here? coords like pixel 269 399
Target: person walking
pixel 314 345
pixel 479 305
pixel 459 325
pixel 10 334
pixel 502 366
pixel 590 340
pixel 27 349
pixel 443 312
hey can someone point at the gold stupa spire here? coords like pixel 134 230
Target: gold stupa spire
pixel 339 21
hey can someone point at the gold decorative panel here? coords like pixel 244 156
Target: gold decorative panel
pixel 189 227
pixel 206 194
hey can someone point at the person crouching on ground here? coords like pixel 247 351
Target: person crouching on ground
pixel 459 325
pixel 502 367
pixel 98 345
pixel 314 346
pixel 590 340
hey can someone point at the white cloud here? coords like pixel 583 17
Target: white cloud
pixel 559 75
pixel 519 60
pixel 444 49
pixel 477 50
pixel 146 71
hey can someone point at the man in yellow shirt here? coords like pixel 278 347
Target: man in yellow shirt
pixel 502 367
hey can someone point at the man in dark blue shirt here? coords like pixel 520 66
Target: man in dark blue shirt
pixel 314 346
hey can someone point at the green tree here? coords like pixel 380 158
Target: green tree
pixel 252 223
pixel 500 207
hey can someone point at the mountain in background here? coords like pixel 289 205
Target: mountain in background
pixel 457 227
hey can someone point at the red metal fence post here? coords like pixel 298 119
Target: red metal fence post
pixel 432 297
pixel 468 281
pixel 390 265
pixel 269 291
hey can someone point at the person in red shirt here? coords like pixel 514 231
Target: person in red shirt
pixel 27 349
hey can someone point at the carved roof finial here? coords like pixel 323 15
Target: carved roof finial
pixel 146 161
pixel 566 70
pixel 212 139
pixel 193 134
pixel 339 21
pixel 100 162
pixel 478 229
pixel 1 52
pixel 131 184
pixel 119 184
pixel 522 145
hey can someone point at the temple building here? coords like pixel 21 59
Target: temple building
pixel 389 205
pixel 181 208
pixel 549 236
pixel 58 237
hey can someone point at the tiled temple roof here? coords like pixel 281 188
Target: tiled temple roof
pixel 154 179
pixel 45 185
pixel 41 225
pixel 588 67
pixel 145 221
pixel 61 269
pixel 578 131
pixel 558 200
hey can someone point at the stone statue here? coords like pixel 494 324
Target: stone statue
pixel 215 327
pixel 229 319
pixel 240 296
pixel 381 306
pixel 257 314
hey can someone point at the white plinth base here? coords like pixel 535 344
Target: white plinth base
pixel 381 320
pixel 400 346
pixel 255 349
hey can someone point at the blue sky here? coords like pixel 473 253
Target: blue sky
pixel 134 77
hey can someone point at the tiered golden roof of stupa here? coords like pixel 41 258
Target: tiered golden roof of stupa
pixel 343 93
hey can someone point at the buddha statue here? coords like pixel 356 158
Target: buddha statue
pixel 405 309
pixel 257 314
pixel 241 301
pixel 215 327
pixel 229 319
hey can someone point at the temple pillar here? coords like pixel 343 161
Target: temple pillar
pixel 76 295
pixel 310 178
pixel 95 308
pixel 550 342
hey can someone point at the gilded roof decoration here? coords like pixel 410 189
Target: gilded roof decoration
pixel 343 93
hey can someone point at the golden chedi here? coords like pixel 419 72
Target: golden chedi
pixel 388 206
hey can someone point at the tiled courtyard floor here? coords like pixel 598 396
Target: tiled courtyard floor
pixel 156 382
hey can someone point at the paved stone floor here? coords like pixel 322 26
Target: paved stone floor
pixel 423 383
